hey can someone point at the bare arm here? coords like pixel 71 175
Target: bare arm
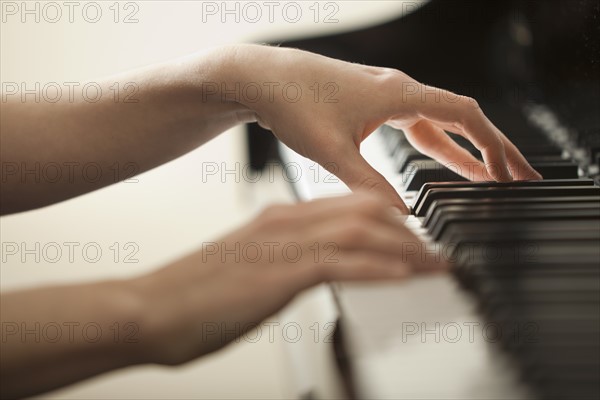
pixel 190 307
pixel 321 107
pixel 58 335
pixel 52 151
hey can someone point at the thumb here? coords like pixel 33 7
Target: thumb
pixel 359 175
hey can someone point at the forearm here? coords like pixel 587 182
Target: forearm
pixel 55 336
pixel 59 335
pixel 54 151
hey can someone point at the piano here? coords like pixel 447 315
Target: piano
pixel 518 317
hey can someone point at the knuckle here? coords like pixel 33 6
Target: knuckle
pixel 470 103
pixel 376 193
pixel 385 72
pixel 390 77
pixel 354 231
pixel 494 144
pixel 370 183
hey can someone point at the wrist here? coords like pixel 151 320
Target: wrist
pixel 148 292
pixel 249 74
pixel 166 315
pixel 128 339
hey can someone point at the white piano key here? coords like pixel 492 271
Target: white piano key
pixel 389 362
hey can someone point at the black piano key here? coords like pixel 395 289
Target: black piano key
pixel 532 151
pixel 515 262
pixel 567 363
pixel 567 298
pixel 530 294
pixel 420 172
pixel 555 312
pixel 461 215
pixel 554 288
pixel 542 283
pixel 439 205
pixel 502 304
pixel 547 159
pixel 482 251
pixel 539 158
pixel 459 185
pixel 530 231
pixel 528 312
pixel 438 211
pixel 482 190
pixel 557 169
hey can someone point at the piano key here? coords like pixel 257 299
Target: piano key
pixel 534 147
pixel 460 215
pixel 542 254
pixel 527 251
pixel 514 266
pixel 530 151
pixel 549 166
pixel 544 202
pixel 502 192
pixel 420 172
pixel 565 297
pixel 458 185
pixel 540 284
pixel 557 169
pixel 404 154
pixel 530 231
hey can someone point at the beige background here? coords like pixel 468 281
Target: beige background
pixel 168 211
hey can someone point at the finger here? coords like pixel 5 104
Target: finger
pixel 356 172
pixel 357 266
pixel 345 266
pixel 328 210
pixel 463 115
pixel 367 204
pixel 520 168
pixel 357 233
pixel 435 143
pixel 363 265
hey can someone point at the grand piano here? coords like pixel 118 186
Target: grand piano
pixel 519 316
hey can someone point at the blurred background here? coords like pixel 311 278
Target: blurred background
pixel 172 210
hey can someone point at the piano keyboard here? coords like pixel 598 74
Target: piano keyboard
pixel 527 264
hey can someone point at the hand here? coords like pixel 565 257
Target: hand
pixel 364 98
pixel 247 276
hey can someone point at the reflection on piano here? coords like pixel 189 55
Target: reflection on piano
pixel 520 315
